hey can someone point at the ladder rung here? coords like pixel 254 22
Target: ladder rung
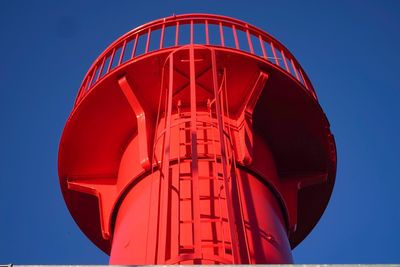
pixel 203 198
pixel 186 248
pixel 207 140
pixel 207 197
pixel 214 198
pixel 206 157
pixel 213 245
pixel 201 156
pixel 203 216
pixel 203 220
pixel 212 220
pixel 198 128
pixel 205 127
pixel 188 176
pixel 226 242
pixel 200 143
pixel 186 221
pixel 207 178
pixel 183 115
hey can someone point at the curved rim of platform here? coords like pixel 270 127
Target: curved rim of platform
pixel 258 43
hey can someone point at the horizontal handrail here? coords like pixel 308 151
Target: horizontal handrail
pixel 214 30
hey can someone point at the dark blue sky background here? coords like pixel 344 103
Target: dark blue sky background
pixel 350 50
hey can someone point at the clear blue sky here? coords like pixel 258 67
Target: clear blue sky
pixel 350 50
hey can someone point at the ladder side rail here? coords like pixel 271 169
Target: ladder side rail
pixel 219 184
pixel 161 251
pixel 195 171
pixel 231 218
pixel 233 169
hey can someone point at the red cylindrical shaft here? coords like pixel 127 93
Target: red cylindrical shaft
pixel 197 153
pixel 141 223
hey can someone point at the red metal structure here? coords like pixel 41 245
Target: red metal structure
pixel 197 139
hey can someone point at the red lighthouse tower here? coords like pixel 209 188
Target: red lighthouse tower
pixel 197 139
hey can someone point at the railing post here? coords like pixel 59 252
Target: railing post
pixel 101 68
pixel 249 40
pixel 284 61
pixel 207 36
pixel 294 69
pixel 274 53
pixel 162 36
pixel 191 32
pixel 221 34
pixel 148 41
pixel 122 53
pixel 177 34
pixel 111 60
pixel 262 47
pixel 134 46
pixel 235 37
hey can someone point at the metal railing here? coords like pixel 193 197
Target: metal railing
pixel 202 29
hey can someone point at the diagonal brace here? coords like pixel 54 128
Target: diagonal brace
pixel 141 121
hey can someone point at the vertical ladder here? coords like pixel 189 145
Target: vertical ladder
pixel 188 179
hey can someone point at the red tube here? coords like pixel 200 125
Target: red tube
pixel 198 153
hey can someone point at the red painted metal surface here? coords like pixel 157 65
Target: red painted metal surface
pixel 197 146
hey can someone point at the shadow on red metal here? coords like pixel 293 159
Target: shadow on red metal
pixel 214 150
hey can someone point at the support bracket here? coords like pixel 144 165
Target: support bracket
pixel 141 121
pixel 244 133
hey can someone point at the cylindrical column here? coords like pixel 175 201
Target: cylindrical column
pixel 139 227
pixel 197 153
